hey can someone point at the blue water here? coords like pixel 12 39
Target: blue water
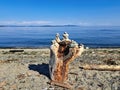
pixel 41 36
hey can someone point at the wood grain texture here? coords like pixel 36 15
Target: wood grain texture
pixel 62 54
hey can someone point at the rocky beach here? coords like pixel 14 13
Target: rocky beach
pixel 28 69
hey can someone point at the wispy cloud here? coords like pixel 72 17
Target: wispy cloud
pixel 24 22
pixel 42 22
pixel 85 24
pixel 95 24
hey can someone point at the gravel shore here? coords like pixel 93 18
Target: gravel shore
pixel 28 70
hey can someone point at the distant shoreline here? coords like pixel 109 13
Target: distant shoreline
pixel 56 26
pixel 39 25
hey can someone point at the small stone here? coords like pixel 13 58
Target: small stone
pixel 21 76
pixel 1 88
pixel 3 83
pixel 13 87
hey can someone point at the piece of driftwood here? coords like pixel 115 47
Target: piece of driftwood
pixel 63 52
pixel 8 61
pixel 101 67
pixel 64 85
pixel 73 73
pixel 16 50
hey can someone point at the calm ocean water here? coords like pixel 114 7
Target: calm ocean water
pixel 33 37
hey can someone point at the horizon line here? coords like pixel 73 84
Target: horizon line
pixel 58 25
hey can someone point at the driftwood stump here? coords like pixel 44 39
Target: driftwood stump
pixel 62 53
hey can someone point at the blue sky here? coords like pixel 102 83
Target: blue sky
pixel 80 12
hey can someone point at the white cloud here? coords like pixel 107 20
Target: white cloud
pixel 95 24
pixel 34 22
pixel 24 22
pixel 7 22
pixel 85 24
pixel 42 22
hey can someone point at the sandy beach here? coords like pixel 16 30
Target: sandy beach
pixel 28 70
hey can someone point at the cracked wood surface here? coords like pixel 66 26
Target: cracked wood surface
pixel 62 54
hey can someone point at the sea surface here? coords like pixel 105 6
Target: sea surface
pixel 36 37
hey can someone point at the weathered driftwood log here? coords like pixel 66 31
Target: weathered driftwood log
pixel 62 53
pixel 101 67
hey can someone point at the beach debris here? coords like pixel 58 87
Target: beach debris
pixel 21 76
pixel 60 84
pixel 101 67
pixel 13 87
pixel 73 73
pixel 16 50
pixel 9 60
pixel 86 47
pixel 63 52
pixel 2 83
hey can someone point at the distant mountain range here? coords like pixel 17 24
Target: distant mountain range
pixel 59 26
pixel 39 25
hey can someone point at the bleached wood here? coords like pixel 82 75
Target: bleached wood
pixel 101 67
pixel 62 53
